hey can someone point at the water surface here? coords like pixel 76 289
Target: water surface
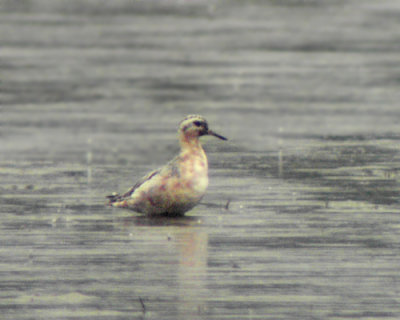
pixel 301 217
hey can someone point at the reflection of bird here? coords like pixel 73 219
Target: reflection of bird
pixel 180 184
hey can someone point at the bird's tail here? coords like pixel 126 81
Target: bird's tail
pixel 114 197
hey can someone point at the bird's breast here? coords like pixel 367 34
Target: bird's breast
pixel 194 170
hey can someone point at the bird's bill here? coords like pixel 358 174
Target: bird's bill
pixel 212 133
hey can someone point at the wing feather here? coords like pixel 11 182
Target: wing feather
pixel 115 197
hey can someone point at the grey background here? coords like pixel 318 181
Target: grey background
pixel 301 218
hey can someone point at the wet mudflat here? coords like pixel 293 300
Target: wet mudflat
pixel 301 219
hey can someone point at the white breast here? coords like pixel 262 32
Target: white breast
pixel 200 176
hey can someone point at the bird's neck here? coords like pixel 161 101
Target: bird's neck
pixel 189 143
pixel 193 155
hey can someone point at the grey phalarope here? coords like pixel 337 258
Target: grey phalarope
pixel 180 184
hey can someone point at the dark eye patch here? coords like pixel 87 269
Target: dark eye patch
pixel 197 123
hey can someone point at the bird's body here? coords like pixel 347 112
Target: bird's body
pixel 180 184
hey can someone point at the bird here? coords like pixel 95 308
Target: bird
pixel 178 186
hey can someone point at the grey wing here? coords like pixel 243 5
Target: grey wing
pixel 118 197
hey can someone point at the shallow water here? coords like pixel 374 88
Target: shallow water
pixel 301 219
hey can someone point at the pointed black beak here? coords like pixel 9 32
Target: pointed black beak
pixel 212 133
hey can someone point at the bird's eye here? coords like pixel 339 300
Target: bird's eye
pixel 197 123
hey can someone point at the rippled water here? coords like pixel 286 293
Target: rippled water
pixel 301 219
